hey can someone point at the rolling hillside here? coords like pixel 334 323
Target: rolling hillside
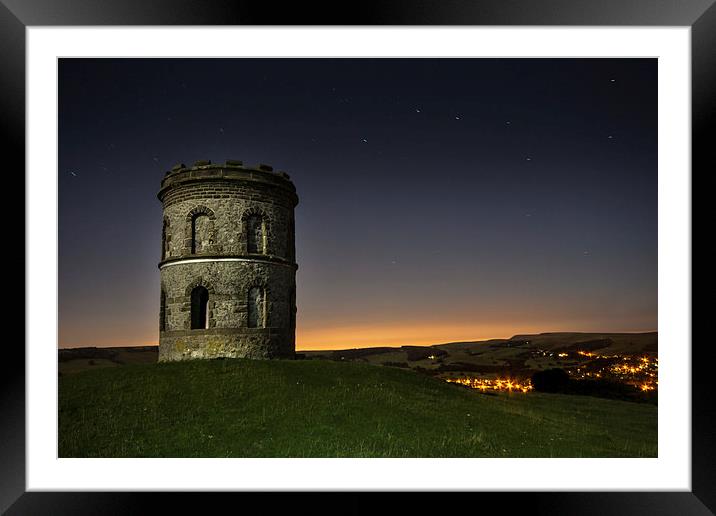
pixel 520 355
pixel 318 408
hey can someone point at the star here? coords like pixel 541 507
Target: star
pixel 156 160
pixel 364 140
pixel 528 158
pixel 73 174
pixel 610 137
pixel 508 122
pixel 612 80
pixel 457 118
pixel 586 252
pixel 417 111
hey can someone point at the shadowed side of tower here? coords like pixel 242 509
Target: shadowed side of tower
pixel 228 265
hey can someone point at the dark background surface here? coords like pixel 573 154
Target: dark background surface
pixel 12 52
pixel 440 199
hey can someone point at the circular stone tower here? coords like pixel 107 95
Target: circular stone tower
pixel 228 265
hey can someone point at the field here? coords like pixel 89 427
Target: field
pixel 322 408
pixel 75 360
pixel 520 355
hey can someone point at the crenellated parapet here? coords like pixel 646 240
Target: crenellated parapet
pixel 259 175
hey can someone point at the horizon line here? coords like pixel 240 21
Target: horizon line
pixel 156 344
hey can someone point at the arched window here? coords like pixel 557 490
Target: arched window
pixel 255 234
pixel 257 307
pixel 199 233
pixel 199 308
pixel 166 237
pixel 290 241
pixel 163 311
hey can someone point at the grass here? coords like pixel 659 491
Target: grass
pixel 316 408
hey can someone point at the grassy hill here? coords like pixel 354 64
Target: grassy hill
pixel 319 408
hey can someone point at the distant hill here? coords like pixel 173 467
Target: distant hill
pixel 605 343
pixel 516 355
pixel 519 355
pixel 323 408
pixel 73 360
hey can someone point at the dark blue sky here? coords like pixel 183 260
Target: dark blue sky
pixel 440 199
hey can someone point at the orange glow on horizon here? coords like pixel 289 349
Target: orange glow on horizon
pixel 344 337
pixel 347 337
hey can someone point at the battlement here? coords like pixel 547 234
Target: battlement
pixel 203 170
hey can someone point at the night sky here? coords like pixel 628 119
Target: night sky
pixel 439 199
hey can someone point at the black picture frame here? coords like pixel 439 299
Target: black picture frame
pixel 700 15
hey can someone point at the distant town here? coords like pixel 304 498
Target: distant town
pixel 640 372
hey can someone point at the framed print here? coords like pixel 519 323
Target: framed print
pixel 452 277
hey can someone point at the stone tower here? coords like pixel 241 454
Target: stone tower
pixel 228 263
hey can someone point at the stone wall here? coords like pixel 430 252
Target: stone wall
pixel 205 235
pixel 264 344
pixel 222 214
